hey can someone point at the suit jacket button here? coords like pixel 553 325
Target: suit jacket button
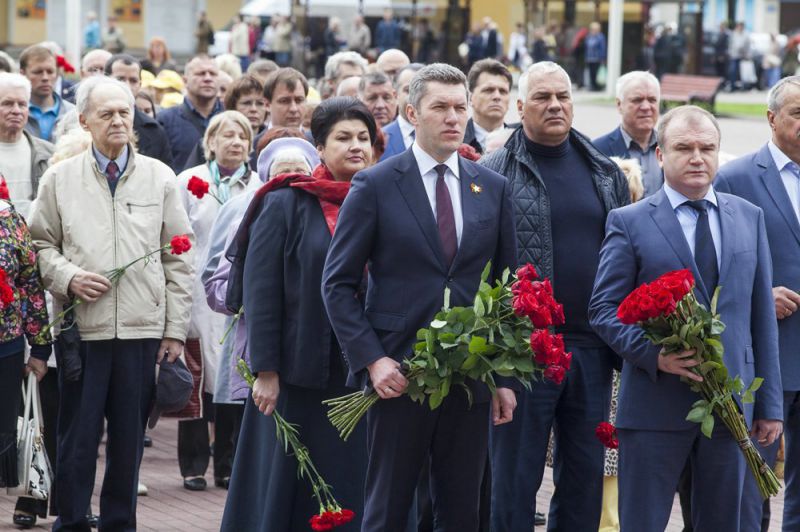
pixel 449 280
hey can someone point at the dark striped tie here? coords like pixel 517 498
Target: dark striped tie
pixel 705 255
pixel 445 218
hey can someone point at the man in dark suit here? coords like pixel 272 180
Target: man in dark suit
pixel 722 239
pixel 562 189
pixel 638 99
pixel 153 140
pixel 768 178
pixel 423 221
pixel 490 90
pixel 400 133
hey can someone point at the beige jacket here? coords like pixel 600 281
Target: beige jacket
pixel 77 225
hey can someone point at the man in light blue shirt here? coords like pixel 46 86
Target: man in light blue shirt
pixel 91 35
pixel 46 107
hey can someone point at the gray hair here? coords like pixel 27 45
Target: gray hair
pixel 289 155
pixel 536 69
pixel 633 78
pixel 775 96
pixel 435 72
pixel 344 58
pixel 413 67
pixel 372 78
pixel 15 81
pixel 96 52
pixel 87 86
pixel 690 113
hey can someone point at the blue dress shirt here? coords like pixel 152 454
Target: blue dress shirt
pixel 687 217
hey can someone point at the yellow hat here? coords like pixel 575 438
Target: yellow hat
pixel 171 99
pixel 168 79
pixel 147 78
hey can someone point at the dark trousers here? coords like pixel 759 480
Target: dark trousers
pixel 11 377
pixel 117 384
pixel 48 398
pixel 401 436
pixel 194 450
pixel 594 68
pixel 754 516
pixel 519 449
pixel 650 465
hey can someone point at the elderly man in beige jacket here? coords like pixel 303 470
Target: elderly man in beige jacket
pixel 98 211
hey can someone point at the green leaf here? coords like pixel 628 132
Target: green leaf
pixel 697 414
pixel 756 384
pixel 486 270
pixel 684 331
pixel 477 345
pixel 736 385
pixel 506 275
pixel 470 362
pixel 480 310
pixel 445 387
pixel 714 301
pixel 438 324
pixel 447 298
pixel 717 327
pixel 707 427
pixel 747 397
pixel 430 337
pixel 435 399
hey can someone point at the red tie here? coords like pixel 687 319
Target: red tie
pixel 112 174
pixel 445 218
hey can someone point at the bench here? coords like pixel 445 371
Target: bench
pixel 686 88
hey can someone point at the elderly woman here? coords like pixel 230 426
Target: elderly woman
pixel 158 57
pixel 23 317
pixel 277 259
pixel 226 144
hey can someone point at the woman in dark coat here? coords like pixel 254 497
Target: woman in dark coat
pixel 283 241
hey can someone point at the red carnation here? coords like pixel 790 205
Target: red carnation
pixel 6 292
pixel 607 434
pixel 468 152
pixel 197 186
pixel 4 193
pixel 343 516
pixel 321 521
pixel 527 273
pixel 555 374
pixel 180 244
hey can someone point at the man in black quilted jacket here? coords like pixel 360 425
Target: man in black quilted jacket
pixel 563 188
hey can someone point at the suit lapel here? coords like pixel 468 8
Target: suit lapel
pixel 666 221
pixel 409 181
pixel 771 177
pixel 619 140
pixel 470 207
pixel 726 223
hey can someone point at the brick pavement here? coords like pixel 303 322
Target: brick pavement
pixel 168 507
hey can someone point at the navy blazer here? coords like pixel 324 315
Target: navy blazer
pixel 394 140
pixel 644 241
pixel 287 328
pixel 387 224
pixel 612 144
pixel 755 178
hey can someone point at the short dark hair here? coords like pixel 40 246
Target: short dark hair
pixel 487 66
pixel 284 76
pixel 126 59
pixel 33 53
pixel 244 85
pixel 333 110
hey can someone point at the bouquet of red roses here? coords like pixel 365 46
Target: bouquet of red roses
pixel 505 332
pixel 670 315
pixel 331 514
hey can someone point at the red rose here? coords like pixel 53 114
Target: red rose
pixel 678 282
pixel 663 299
pixel 607 434
pixel 197 186
pixel 321 522
pixel 540 316
pixel 468 152
pixel 558 315
pixel 566 360
pixel 180 244
pixel 526 273
pixel 4 193
pixel 555 374
pixel 523 303
pixel 541 345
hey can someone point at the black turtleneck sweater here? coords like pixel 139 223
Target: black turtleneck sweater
pixel 577 219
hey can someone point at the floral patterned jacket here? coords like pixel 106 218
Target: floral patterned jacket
pixel 28 313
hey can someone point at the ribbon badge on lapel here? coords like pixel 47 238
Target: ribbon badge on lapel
pixel 476 189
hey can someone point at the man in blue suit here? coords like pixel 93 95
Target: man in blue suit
pixel 769 179
pixel 400 133
pixel 638 98
pixel 419 223
pixel 723 240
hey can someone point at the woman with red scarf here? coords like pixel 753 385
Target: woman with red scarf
pixel 276 273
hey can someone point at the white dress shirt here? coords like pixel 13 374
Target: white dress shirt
pixel 407 131
pixel 791 180
pixel 427 165
pixel 687 217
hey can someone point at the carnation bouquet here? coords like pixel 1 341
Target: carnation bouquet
pixel 330 514
pixel 505 332
pixel 178 245
pixel 670 315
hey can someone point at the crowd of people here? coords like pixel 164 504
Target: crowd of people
pixel 326 220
